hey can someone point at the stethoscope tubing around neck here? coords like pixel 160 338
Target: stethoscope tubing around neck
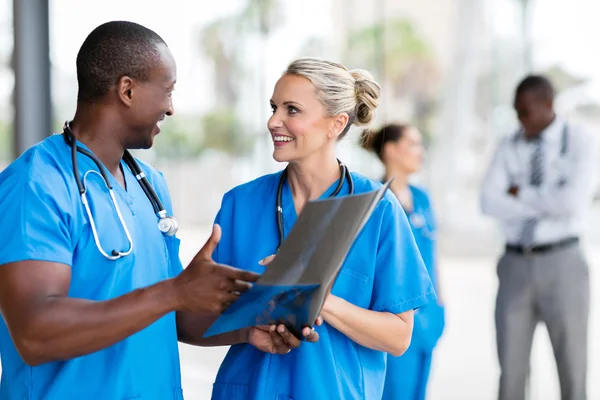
pixel 344 176
pixel 127 158
pixel 81 186
pixel 167 225
pixel 115 254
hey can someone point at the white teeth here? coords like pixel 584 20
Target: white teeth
pixel 282 139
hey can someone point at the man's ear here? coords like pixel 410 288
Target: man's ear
pixel 125 90
pixel 339 124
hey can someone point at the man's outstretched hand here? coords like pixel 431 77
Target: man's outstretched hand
pixel 207 287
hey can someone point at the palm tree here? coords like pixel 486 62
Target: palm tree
pixel 261 16
pixel 402 62
pixel 223 42
pixel 224 56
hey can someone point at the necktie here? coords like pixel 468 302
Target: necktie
pixel 535 179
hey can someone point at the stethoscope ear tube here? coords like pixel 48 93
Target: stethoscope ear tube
pixel 143 181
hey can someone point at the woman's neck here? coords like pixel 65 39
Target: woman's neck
pixel 309 179
pixel 400 187
pixel 400 182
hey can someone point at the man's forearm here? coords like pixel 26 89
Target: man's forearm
pixel 63 328
pixel 506 207
pixel 191 328
pixel 557 201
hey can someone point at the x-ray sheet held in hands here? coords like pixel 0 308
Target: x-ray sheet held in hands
pixel 295 284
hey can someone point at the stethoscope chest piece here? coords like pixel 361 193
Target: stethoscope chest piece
pixel 417 220
pixel 168 225
pixel 419 223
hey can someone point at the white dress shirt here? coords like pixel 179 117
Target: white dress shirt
pixel 559 209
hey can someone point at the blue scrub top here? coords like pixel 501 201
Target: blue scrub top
pixel 429 320
pixel 383 272
pixel 43 219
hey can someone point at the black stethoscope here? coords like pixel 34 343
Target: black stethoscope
pixel 166 224
pixel 344 175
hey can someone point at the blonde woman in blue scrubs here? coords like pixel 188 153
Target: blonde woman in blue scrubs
pixel 401 151
pixel 369 313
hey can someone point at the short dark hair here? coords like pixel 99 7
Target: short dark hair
pixel 536 83
pixel 111 51
pixel 375 140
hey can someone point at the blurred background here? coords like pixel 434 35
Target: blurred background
pixel 448 66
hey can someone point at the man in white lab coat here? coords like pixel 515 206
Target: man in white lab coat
pixel 539 186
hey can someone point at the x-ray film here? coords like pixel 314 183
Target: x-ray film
pixel 294 286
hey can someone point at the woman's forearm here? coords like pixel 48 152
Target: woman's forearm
pixel 373 329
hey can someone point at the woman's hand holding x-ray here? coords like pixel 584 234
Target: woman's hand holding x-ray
pixel 277 339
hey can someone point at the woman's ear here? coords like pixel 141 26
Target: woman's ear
pixel 387 148
pixel 339 124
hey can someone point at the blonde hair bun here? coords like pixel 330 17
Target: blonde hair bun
pixel 367 96
pixel 340 90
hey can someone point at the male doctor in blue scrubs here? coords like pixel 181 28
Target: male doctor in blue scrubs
pixel 76 323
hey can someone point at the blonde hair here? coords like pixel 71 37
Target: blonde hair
pixel 340 90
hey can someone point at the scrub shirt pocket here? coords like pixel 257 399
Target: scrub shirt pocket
pixel 173 243
pixel 353 286
pixel 225 391
pixel 283 397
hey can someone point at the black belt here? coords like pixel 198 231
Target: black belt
pixel 542 248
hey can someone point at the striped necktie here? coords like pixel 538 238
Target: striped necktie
pixel 535 179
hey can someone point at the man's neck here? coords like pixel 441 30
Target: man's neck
pixel 94 129
pixel 539 134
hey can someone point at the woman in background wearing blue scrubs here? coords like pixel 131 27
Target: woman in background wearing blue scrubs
pixel 400 150
pixel 370 310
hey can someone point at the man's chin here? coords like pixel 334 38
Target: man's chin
pixel 147 144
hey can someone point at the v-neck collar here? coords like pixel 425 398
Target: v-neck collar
pixel 289 209
pixel 130 180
